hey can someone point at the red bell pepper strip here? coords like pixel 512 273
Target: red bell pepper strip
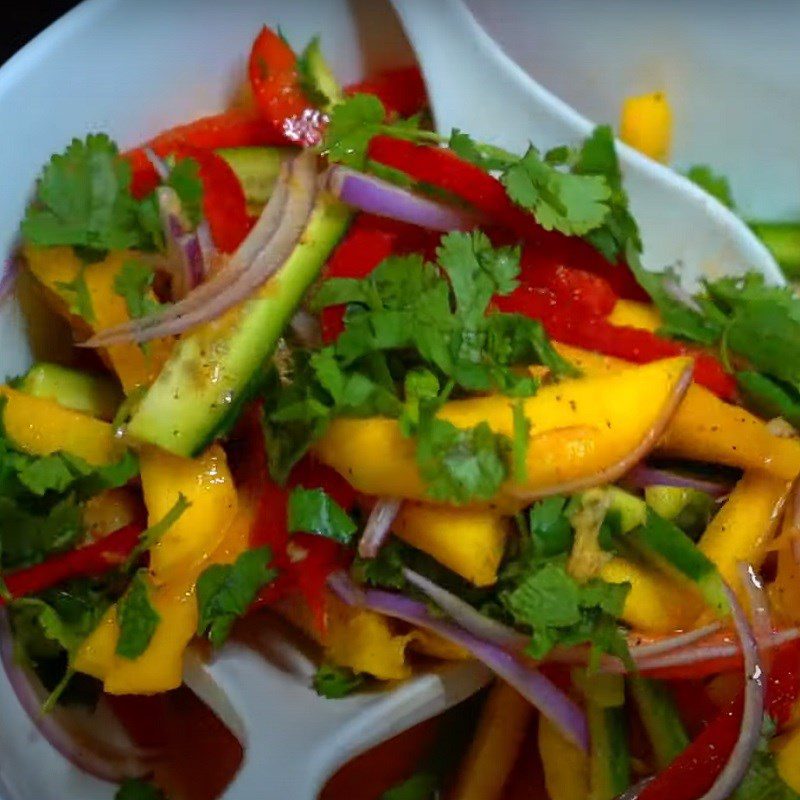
pixel 694 771
pixel 235 128
pixel 442 168
pixel 570 306
pixel 402 90
pixel 224 201
pixel 308 575
pixel 272 69
pixel 91 561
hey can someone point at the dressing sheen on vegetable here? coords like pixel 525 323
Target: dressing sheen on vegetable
pixel 416 394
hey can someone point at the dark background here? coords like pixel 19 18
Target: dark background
pixel 20 22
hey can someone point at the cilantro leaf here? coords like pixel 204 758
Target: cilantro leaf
pixel 549 602
pixel 334 682
pixel 28 537
pixel 137 619
pixel 477 271
pixel 226 591
pixel 315 511
pixel 352 124
pixel 716 185
pixel 762 780
pixel 485 156
pixel 571 203
pixel 385 570
pixel 83 199
pixel 136 789
pixel 460 465
pixel 133 283
pixel 550 528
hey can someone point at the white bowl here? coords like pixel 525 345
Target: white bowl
pixel 132 68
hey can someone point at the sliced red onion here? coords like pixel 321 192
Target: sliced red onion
pixel 672 643
pixel 469 618
pixel 8 278
pixel 93 742
pixel 159 165
pixel 258 258
pixel 379 526
pixel 185 258
pixel 566 715
pixel 711 652
pixel 759 609
pixel 613 473
pixel 376 196
pixel 753 714
pixel 642 476
pixel 347 591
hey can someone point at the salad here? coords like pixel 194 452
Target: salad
pixel 418 395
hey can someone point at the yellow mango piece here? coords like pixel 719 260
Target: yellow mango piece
pixel 110 510
pixel 56 265
pixel 191 544
pixel 469 541
pixel 784 591
pixel 630 314
pixel 40 427
pixel 705 428
pixel 582 432
pixel 207 485
pixel 787 759
pixel 646 124
pixel 365 642
pixel 566 768
pixel 744 526
pixel 655 604
pixel 96 653
pixel 429 644
pixel 495 745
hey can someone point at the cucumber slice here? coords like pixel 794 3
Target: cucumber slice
pixel 81 391
pixel 783 241
pixel 211 371
pixel 257 169
pixel 662 542
pixel 660 718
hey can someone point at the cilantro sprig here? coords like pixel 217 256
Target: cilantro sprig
pixel 415 333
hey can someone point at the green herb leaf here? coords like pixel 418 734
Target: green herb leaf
pixel 79 300
pixel 763 781
pixel 571 203
pixel 333 682
pixel 315 511
pixel 136 789
pixel 558 610
pixel 133 283
pixel 184 178
pixel 485 156
pixel 352 124
pixel 385 570
pixel 137 619
pixel 768 397
pixel 551 531
pixel 226 591
pixel 716 185
pixel 83 199
pixel 460 465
